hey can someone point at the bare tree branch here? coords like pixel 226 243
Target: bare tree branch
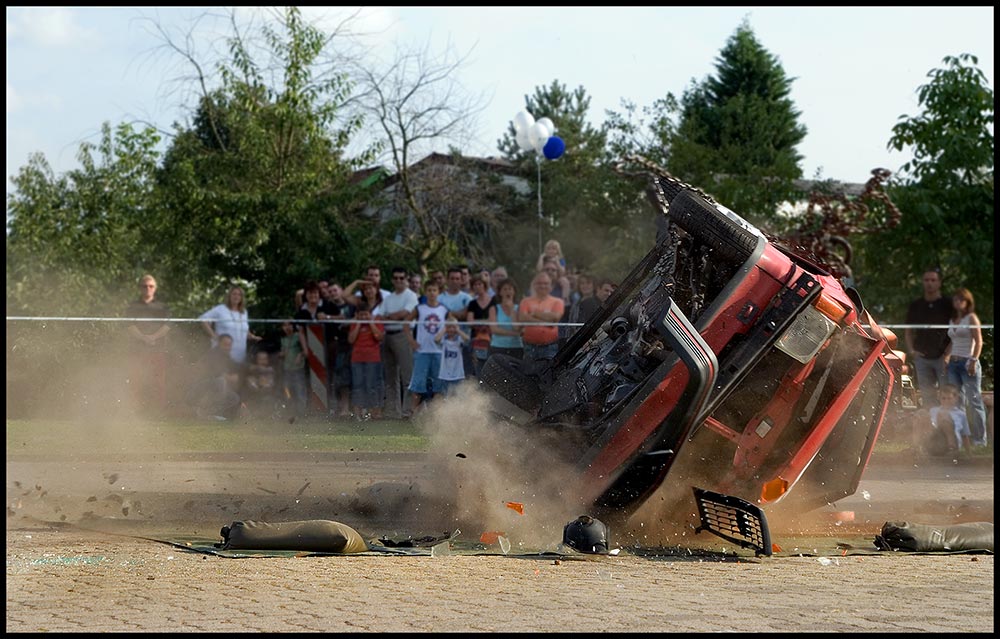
pixel 412 104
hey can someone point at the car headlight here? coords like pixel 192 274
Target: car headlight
pixel 807 334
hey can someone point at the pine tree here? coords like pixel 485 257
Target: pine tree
pixel 739 129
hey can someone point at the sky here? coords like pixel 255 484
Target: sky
pixel 856 70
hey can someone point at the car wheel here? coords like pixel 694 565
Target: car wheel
pixel 711 226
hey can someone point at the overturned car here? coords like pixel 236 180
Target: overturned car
pixel 724 359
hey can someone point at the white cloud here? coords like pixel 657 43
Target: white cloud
pixel 380 22
pixel 46 26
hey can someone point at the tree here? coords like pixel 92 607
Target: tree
pixel 465 201
pixel 568 186
pixel 412 103
pixel 648 135
pixel 257 187
pixel 945 193
pixel 78 242
pixel 738 131
pixel 582 201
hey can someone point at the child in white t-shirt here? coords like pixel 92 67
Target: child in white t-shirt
pixel 452 370
pixel 943 429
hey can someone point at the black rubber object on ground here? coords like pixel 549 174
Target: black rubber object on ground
pixel 910 537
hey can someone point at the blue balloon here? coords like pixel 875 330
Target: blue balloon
pixel 554 148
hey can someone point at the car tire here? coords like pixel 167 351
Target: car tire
pixel 709 225
pixel 669 189
pixel 503 375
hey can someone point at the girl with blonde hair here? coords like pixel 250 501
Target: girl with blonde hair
pixel 552 249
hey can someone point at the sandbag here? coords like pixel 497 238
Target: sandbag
pixel 910 537
pixel 316 535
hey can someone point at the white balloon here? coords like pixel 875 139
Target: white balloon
pixel 538 135
pixel 523 121
pixel 523 140
pixel 548 125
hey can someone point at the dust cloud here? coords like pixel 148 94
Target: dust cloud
pixel 485 469
pixel 82 445
pixel 107 464
pixel 97 459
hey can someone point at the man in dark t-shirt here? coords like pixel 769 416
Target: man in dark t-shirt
pixel 341 362
pixel 927 345
pixel 148 349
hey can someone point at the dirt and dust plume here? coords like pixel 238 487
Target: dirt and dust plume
pixel 491 475
pixel 669 517
pixel 82 444
pixel 89 453
pixel 481 463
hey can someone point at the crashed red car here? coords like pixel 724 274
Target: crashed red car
pixel 723 360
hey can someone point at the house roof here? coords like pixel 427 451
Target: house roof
pixel 852 189
pixel 368 176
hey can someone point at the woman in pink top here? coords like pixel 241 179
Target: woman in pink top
pixel 540 342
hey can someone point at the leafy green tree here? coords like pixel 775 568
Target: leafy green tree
pixel 78 242
pixel 257 188
pixel 945 193
pixel 648 133
pixel 738 131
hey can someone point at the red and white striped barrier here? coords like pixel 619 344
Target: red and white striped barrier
pixel 316 358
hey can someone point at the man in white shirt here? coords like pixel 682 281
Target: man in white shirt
pixel 457 302
pixel 397 356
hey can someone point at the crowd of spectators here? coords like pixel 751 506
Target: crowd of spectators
pixel 368 352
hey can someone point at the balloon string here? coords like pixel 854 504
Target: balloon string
pixel 538 162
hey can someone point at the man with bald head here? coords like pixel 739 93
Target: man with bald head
pixel 541 342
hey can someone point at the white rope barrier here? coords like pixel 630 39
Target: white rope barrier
pixel 27 318
pixel 180 320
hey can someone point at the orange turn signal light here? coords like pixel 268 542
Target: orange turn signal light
pixel 773 489
pixel 829 307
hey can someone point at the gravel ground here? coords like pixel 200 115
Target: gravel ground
pixel 64 576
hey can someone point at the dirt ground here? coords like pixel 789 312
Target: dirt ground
pixel 64 576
